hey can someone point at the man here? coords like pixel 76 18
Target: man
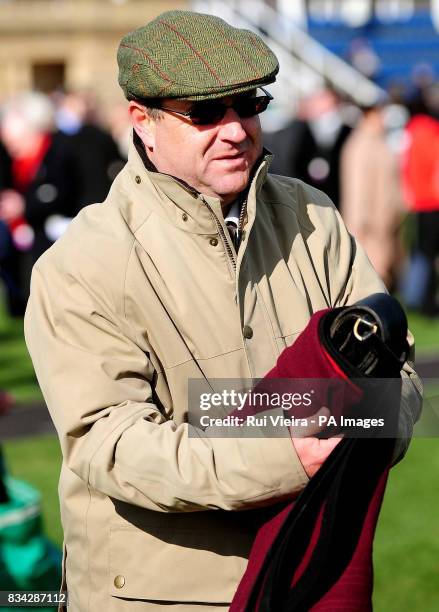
pixel 147 291
pixel 371 203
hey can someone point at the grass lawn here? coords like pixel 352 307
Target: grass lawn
pixel 407 540
pixel 16 370
pixel 426 333
pixel 38 461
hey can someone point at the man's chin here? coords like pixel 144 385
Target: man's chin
pixel 234 183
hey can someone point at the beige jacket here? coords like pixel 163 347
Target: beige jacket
pixel 142 293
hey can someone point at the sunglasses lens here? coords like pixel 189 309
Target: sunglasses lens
pixel 251 106
pixel 207 113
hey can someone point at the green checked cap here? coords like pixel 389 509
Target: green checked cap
pixel 189 55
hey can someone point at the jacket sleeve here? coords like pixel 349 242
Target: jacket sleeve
pixel 97 385
pixel 361 280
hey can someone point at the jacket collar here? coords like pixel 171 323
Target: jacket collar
pixel 150 192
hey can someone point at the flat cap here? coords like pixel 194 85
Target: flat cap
pixel 182 54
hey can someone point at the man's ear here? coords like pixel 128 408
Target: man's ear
pixel 143 124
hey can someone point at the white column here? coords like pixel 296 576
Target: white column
pixel 356 13
pixel 394 10
pixel 326 10
pixel 296 11
pixel 435 13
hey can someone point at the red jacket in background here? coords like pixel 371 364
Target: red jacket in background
pixel 420 164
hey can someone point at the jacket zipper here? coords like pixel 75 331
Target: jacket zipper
pixel 240 231
pixel 222 234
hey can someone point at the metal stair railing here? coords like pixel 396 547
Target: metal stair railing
pixel 305 63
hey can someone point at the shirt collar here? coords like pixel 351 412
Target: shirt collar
pixel 235 211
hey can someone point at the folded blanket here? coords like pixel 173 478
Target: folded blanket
pixel 315 553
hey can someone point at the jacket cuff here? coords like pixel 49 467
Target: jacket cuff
pixel 278 456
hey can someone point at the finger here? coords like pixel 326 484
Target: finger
pixel 328 445
pixel 314 424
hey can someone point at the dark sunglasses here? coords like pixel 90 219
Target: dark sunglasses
pixel 210 112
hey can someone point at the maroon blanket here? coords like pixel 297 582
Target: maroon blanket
pixel 316 553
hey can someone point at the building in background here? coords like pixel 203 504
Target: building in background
pixel 50 44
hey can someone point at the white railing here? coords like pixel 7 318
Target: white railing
pixel 304 63
pixel 358 12
pixel 435 13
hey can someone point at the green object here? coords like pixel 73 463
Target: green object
pixel 189 55
pixel 28 561
pixel 37 460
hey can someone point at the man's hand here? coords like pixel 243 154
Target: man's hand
pixel 312 451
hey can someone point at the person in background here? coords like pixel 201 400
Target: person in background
pixel 371 199
pixel 5 167
pixel 44 175
pixel 120 128
pixel 96 154
pixel 420 178
pixel 309 147
pixel 11 257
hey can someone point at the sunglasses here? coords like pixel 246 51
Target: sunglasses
pixel 211 112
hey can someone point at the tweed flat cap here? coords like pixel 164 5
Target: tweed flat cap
pixel 189 55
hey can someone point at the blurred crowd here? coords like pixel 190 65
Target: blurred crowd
pixel 379 165
pixel 56 156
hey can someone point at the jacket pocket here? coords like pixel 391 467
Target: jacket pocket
pixel 287 340
pixel 176 565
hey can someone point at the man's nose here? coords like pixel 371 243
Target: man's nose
pixel 231 127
